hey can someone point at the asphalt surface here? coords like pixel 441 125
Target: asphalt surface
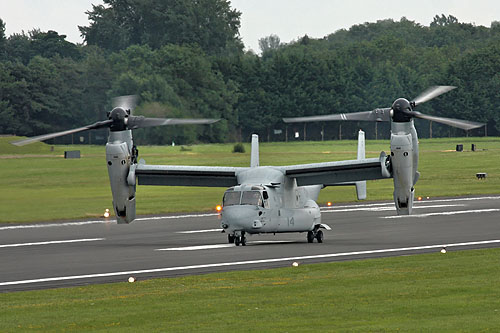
pixel 39 256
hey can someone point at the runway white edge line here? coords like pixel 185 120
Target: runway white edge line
pixel 217 246
pixel 240 263
pixel 197 247
pixel 416 202
pixel 472 211
pixel 53 242
pixel 382 209
pixel 81 223
pixel 199 231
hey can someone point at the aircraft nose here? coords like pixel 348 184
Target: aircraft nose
pixel 239 217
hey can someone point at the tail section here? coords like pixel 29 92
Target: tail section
pixel 254 157
pixel 361 185
pixel 361 145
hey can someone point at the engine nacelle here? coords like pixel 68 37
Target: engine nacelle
pixel 403 163
pixel 119 159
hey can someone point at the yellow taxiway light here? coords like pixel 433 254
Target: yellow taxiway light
pixel 329 203
pixel 218 208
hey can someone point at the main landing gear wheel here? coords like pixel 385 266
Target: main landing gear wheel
pixel 311 235
pixel 319 236
pixel 230 239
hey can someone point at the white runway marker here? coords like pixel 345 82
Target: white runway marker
pixel 382 209
pixel 242 263
pixel 459 212
pixel 218 246
pixel 391 204
pixel 53 242
pixel 198 231
pixel 82 223
pixel 197 248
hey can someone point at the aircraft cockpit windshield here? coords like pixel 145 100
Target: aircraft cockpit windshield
pixel 231 198
pixel 253 198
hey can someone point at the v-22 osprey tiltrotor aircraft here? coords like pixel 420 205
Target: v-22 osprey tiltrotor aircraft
pixel 261 199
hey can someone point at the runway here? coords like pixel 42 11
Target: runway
pixel 50 255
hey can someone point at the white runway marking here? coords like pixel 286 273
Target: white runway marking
pixel 472 211
pixel 53 242
pixel 382 209
pixel 241 263
pixel 198 231
pixel 416 202
pixel 217 246
pixel 174 217
pixel 52 225
pixel 81 223
pixel 198 247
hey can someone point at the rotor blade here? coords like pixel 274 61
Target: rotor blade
pixel 374 115
pixel 141 122
pixel 463 124
pixel 43 137
pixel 128 102
pixel 431 93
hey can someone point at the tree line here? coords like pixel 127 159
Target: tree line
pixel 185 58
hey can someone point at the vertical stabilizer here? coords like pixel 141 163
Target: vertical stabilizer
pixel 361 145
pixel 361 185
pixel 254 157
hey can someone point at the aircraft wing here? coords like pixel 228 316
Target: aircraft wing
pixel 180 175
pixel 339 173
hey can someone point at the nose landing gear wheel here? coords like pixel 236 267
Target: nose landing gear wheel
pixel 230 239
pixel 240 240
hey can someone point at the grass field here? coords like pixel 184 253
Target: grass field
pixel 40 185
pixel 453 292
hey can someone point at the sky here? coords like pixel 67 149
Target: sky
pixel 288 19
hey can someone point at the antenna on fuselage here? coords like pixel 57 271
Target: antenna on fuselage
pixel 254 157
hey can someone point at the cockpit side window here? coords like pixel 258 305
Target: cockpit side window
pixel 231 198
pixel 253 198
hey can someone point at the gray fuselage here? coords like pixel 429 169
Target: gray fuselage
pixel 269 202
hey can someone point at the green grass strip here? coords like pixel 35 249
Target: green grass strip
pixel 452 292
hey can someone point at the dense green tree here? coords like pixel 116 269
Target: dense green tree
pixel 212 24
pixel 23 47
pixel 3 39
pixel 49 44
pixel 269 43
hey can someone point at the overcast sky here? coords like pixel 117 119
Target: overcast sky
pixel 289 19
